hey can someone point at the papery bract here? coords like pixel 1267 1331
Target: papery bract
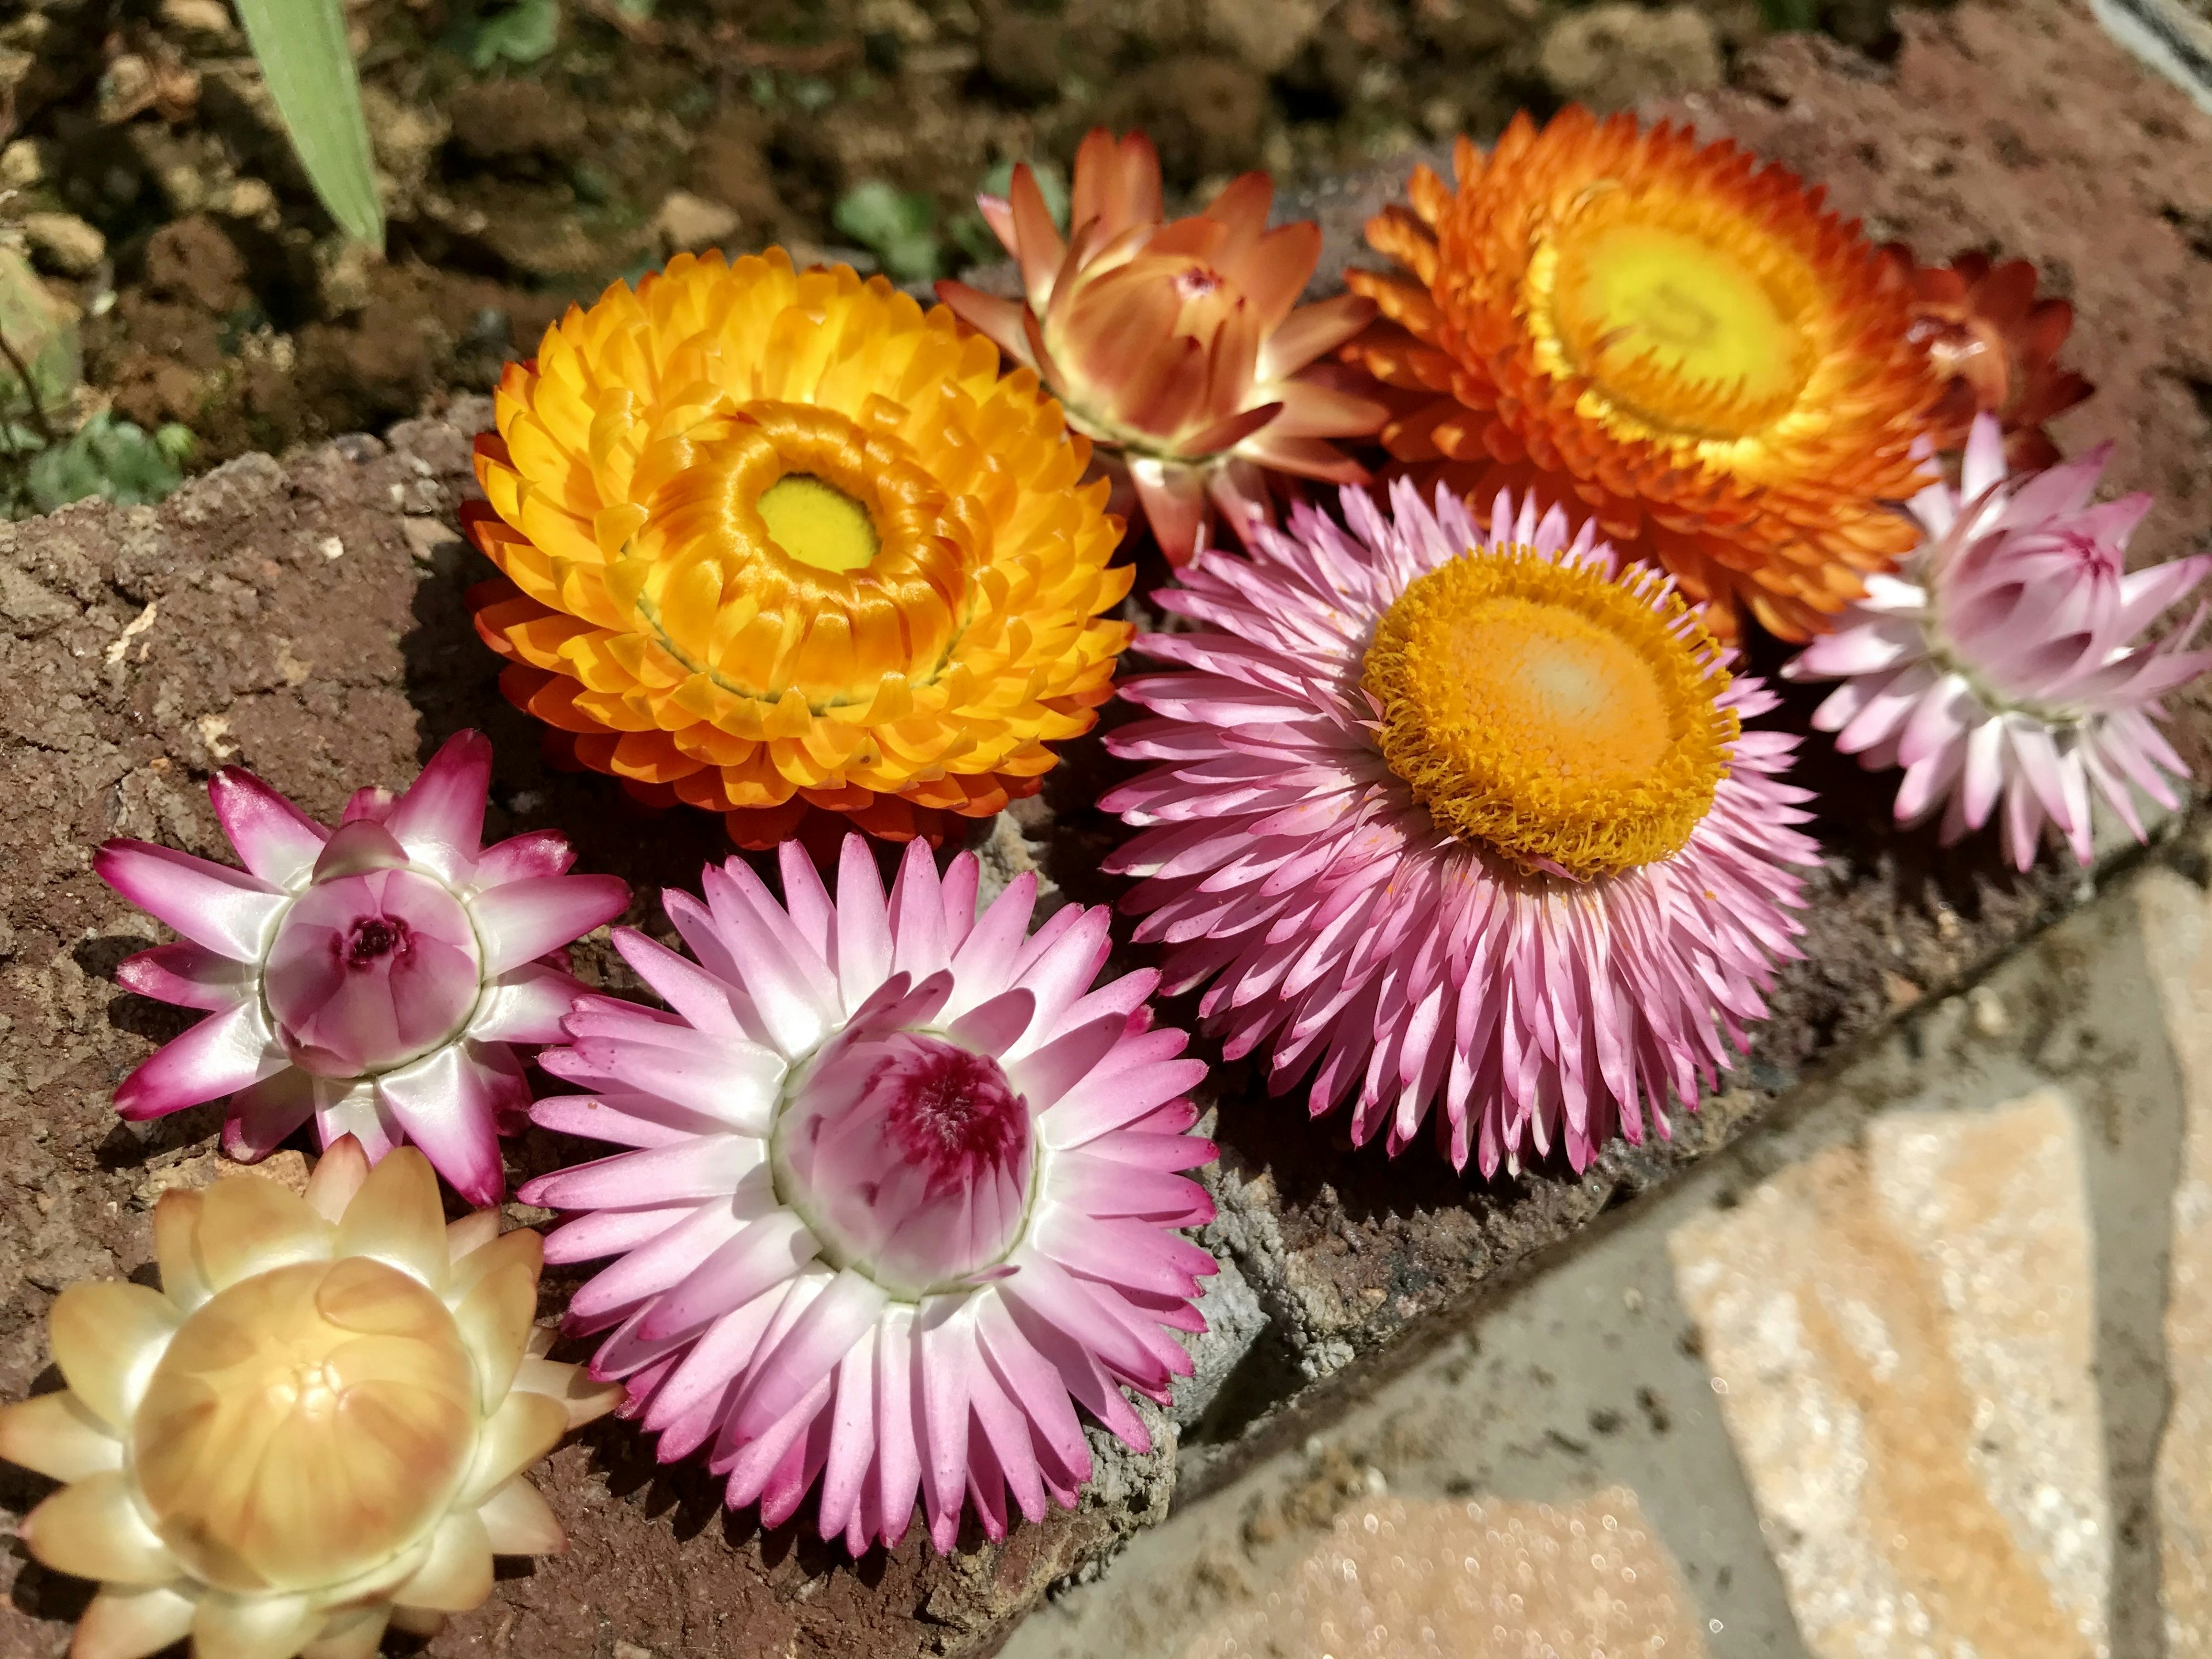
pixel 906 1193
pixel 1460 822
pixel 317 1427
pixel 373 978
pixel 2003 666
pixel 1178 345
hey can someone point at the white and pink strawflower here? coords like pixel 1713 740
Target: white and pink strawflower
pixel 373 977
pixel 905 1192
pixel 2002 666
pixel 1459 822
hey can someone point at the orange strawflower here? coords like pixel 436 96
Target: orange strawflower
pixel 1983 327
pixel 777 540
pixel 1669 337
pixel 1175 345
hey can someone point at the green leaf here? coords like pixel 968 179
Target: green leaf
pixel 899 227
pixel 524 33
pixel 1784 16
pixel 301 44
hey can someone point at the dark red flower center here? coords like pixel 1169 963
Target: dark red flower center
pixel 372 937
pixel 951 1110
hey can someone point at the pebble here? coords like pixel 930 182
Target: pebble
pixel 64 244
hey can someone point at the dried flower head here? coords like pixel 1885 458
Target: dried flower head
pixel 1460 822
pixel 1669 339
pixel 775 540
pixel 371 977
pixel 318 1426
pixel 1175 345
pixel 1986 330
pixel 906 1193
pixel 2003 664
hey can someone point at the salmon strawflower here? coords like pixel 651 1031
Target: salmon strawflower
pixel 1462 823
pixel 1175 345
pixel 905 1190
pixel 317 1428
pixel 1672 339
pixel 776 541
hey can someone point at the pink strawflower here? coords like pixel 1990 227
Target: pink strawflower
pixel 373 976
pixel 905 1194
pixel 2000 663
pixel 1460 822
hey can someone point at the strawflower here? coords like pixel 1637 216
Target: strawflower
pixel 1671 339
pixel 373 977
pixel 1459 822
pixel 775 541
pixel 317 1427
pixel 1983 327
pixel 1175 345
pixel 2002 667
pixel 906 1193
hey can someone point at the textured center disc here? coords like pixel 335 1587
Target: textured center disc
pixel 1563 718
pixel 1692 326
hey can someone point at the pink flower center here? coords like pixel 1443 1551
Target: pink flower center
pixel 909 1157
pixel 1197 281
pixel 370 971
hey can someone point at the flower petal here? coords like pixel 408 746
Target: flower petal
pixel 276 840
pixel 91 1528
pixel 446 1102
pixel 57 1434
pixel 132 1623
pixel 458 1574
pixel 440 818
pixel 228 911
pixel 517 1521
pixel 524 920
pixel 107 1337
pixel 398 1218
pixel 224 1052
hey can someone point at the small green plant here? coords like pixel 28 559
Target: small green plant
pixel 899 227
pixel 301 44
pixel 113 460
pixel 1787 16
pixel 525 33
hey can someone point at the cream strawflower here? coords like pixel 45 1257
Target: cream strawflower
pixel 316 1428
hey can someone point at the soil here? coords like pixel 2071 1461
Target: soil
pixel 217 293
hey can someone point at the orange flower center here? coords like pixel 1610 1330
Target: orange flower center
pixel 786 548
pixel 305 1426
pixel 1685 317
pixel 1563 718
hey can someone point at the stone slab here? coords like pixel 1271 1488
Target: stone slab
pixel 2177 934
pixel 1901 1336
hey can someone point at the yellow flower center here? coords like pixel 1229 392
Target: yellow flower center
pixel 818 524
pixel 306 1425
pixel 1563 718
pixel 1686 318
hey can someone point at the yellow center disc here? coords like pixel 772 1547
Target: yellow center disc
pixel 818 524
pixel 1563 718
pixel 1686 320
